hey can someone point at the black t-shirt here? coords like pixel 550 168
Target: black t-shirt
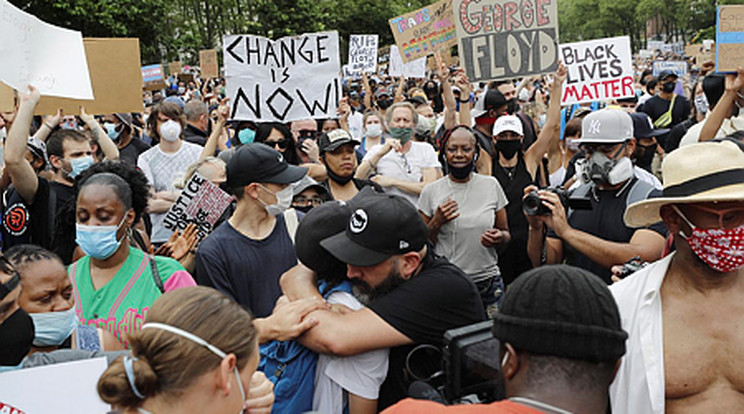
pixel 244 269
pixel 63 194
pixel 130 153
pixel 657 106
pixel 24 223
pixel 441 297
pixel 604 220
pixel 359 184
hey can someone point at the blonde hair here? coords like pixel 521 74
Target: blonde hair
pixel 194 168
pixel 167 363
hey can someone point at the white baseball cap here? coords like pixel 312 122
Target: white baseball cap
pixel 508 123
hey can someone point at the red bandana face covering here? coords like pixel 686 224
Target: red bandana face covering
pixel 721 249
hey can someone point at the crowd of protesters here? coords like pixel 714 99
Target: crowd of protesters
pixel 604 241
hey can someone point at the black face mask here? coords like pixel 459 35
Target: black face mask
pixel 16 336
pixel 669 87
pixel 304 209
pixel 385 103
pixel 508 148
pixel 644 155
pixel 512 107
pixel 335 177
pixel 461 173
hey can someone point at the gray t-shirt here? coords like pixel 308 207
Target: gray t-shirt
pixel 459 240
pixel 162 170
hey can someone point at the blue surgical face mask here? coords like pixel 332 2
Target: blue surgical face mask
pixel 80 164
pixel 246 136
pixel 53 328
pixel 110 128
pixel 99 242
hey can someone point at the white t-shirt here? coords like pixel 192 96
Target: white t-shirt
pixel 406 166
pixel 361 374
pixel 162 170
pixel 459 240
pixel 356 121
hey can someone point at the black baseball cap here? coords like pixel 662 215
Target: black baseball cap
pixel 318 224
pixel 381 225
pixel 331 140
pixel 259 163
pixel 643 128
pixel 666 73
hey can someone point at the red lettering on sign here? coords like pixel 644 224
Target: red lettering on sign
pixel 510 23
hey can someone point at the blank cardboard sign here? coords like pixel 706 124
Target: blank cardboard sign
pixel 114 65
pixel 208 63
pixel 6 98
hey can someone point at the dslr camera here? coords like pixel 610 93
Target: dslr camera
pixel 532 204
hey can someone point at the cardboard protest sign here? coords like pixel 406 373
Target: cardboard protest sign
pixel 49 57
pixel 424 31
pixel 209 64
pixel 7 98
pixel 503 39
pixel 114 66
pixel 201 202
pixel 362 54
pixel 598 70
pixel 69 388
pixel 282 80
pixel 729 38
pixel 174 68
pixel 415 69
pixel 153 77
pixel 678 67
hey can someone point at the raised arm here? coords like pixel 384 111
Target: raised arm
pixel 367 91
pixel 210 147
pixel 21 173
pixel 450 106
pixel 721 110
pixel 46 128
pixel 552 129
pixel 110 151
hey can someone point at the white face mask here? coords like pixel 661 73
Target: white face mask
pixel 374 130
pixel 202 342
pixel 283 201
pixel 170 130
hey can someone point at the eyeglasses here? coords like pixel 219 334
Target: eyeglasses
pixel 405 163
pixel 305 201
pixel 282 143
pixel 727 219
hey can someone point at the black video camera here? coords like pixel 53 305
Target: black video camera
pixel 532 204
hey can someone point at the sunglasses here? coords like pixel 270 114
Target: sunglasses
pixel 282 143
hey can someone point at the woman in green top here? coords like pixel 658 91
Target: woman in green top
pixel 115 284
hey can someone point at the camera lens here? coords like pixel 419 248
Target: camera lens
pixel 531 204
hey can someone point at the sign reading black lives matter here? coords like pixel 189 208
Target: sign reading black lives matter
pixel 502 39
pixel 282 80
pixel 201 202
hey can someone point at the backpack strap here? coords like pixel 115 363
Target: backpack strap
pixel 156 273
pixel 290 219
pixel 639 191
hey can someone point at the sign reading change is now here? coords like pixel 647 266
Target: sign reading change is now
pixel 282 80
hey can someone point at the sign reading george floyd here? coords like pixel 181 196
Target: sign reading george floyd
pixel 503 39
pixel 282 80
pixel 362 54
pixel 201 202
pixel 729 38
pixel 598 70
pixel 424 31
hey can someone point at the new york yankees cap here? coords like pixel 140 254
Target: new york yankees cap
pixel 381 225
pixel 259 163
pixel 606 126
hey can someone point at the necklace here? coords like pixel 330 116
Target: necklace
pixel 540 405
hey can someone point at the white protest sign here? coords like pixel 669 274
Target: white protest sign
pixel 68 388
pixel 282 80
pixel 49 57
pixel 598 70
pixel 201 202
pixel 362 54
pixel 678 67
pixel 414 69
pixel 654 44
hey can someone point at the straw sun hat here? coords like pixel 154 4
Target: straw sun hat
pixel 697 173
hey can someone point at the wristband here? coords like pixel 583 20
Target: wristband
pixel 464 101
pixel 48 126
